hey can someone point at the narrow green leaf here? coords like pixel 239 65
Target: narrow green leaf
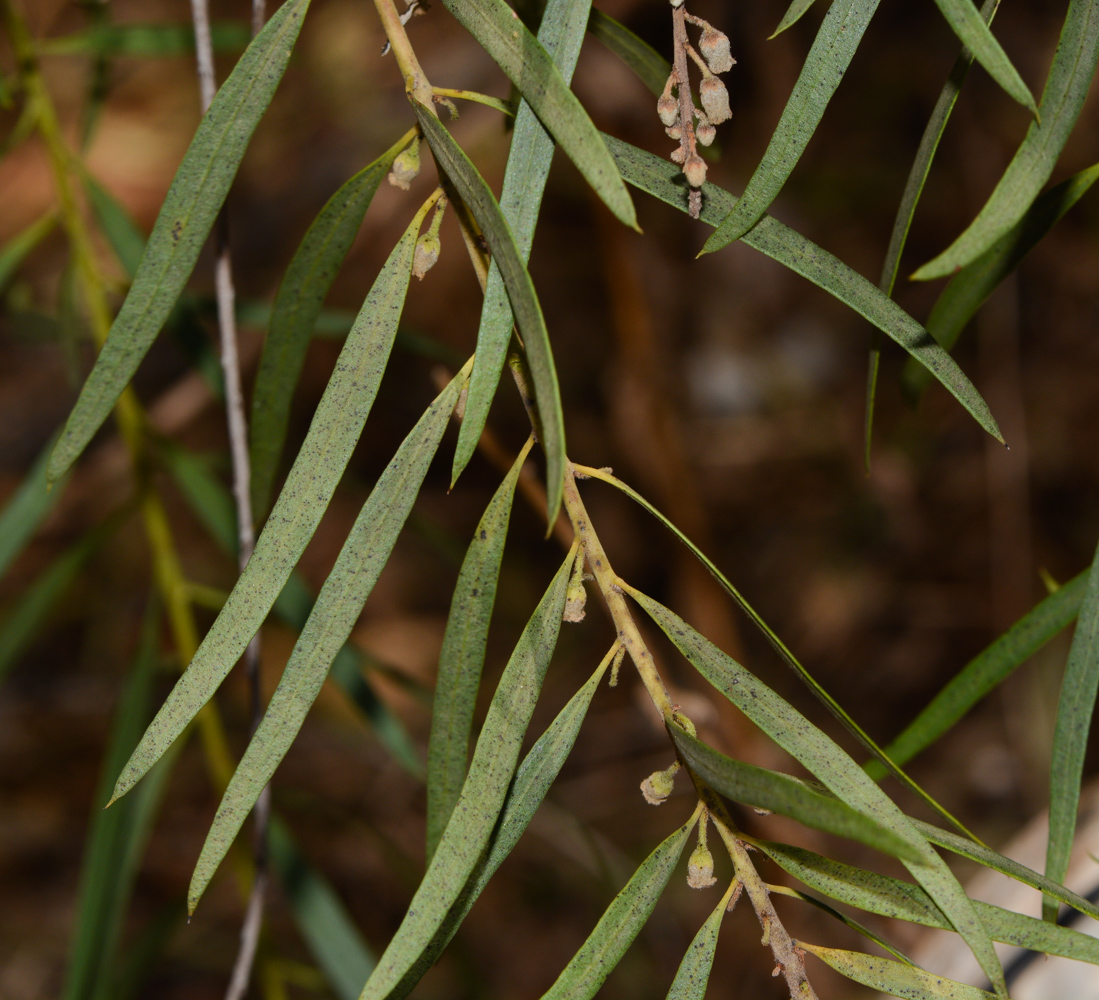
pixel 126 240
pixel 185 220
pixel 462 657
pixel 338 606
pixel 650 66
pixel 298 303
pixel 1065 91
pixel 15 251
pixel 147 40
pixel 971 286
pixel 621 923
pixel 793 14
pixel 332 436
pixel 772 238
pixel 833 48
pixel 467 835
pixel 693 974
pixel 973 32
pixel 786 795
pixel 561 33
pixel 832 766
pixel 26 509
pixel 899 900
pixel 328 929
pixel 532 781
pixel 894 978
pixel 529 66
pixel 984 672
pixel 509 258
pixel 1070 735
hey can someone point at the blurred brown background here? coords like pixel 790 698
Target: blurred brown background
pixel 727 390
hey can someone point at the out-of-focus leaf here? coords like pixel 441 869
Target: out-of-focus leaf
pixel 772 238
pixel 785 795
pixel 466 838
pixel 1065 91
pixel 298 303
pixel 561 32
pixel 833 48
pixel 15 250
pixel 462 657
pixel 333 433
pixel 650 66
pixel 986 670
pixel 337 608
pixel 693 974
pixel 1070 735
pixel 26 509
pixel 520 289
pixel 185 220
pixel 530 67
pixel 147 40
pixel 328 929
pixel 793 14
pixel 621 923
pixel 832 766
pixel 894 978
pixel 126 240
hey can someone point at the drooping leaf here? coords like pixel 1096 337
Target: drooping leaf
pixel 298 303
pixel 16 249
pixel 508 257
pixel 770 237
pixel 984 672
pixel 1065 91
pixel 834 768
pixel 561 32
pixel 831 53
pixel 693 974
pixel 621 923
pixel 328 929
pixel 26 509
pixel 1070 735
pixel 793 14
pixel 147 40
pixel 649 65
pixel 786 795
pixel 466 837
pixel 126 240
pixel 973 32
pixel 185 220
pixel 333 433
pixel 462 657
pixel 337 608
pixel 894 978
pixel 530 67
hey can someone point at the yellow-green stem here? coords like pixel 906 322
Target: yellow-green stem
pixel 415 82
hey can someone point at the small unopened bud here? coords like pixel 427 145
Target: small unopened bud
pixel 576 596
pixel 428 247
pixel 406 166
pixel 700 868
pixel 715 100
pixel 714 46
pixel 675 132
pixel 678 155
pixel 668 108
pixel 705 133
pixel 658 786
pixel 695 171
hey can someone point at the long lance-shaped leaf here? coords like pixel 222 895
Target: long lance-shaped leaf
pixel 969 288
pixel 532 781
pixel 693 974
pixel 25 510
pixel 833 48
pixel 297 305
pixel 561 33
pixel 147 40
pixel 338 606
pixel 792 250
pixel 894 978
pixel 649 65
pixel 524 300
pixel 462 657
pixel 621 923
pixel 126 240
pixel 467 834
pixel 1070 735
pixel 529 66
pixel 793 14
pixel 834 768
pixel 784 794
pixel 185 220
pixel 984 672
pixel 1065 91
pixel 15 251
pixel 328 929
pixel 973 32
pixel 332 436
pixel 891 897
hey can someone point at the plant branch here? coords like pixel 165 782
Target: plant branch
pixel 415 81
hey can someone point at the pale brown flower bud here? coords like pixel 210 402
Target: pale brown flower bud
pixel 428 248
pixel 406 166
pixel 668 109
pixel 700 868
pixel 695 171
pixel 714 46
pixel 675 132
pixel 658 786
pixel 705 133
pixel 715 100
pixel 678 155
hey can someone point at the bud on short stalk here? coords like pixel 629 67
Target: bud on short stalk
pixel 406 166
pixel 658 786
pixel 668 107
pixel 694 169
pixel 715 100
pixel 714 46
pixel 700 868
pixel 705 133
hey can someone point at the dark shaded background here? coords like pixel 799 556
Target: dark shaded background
pixel 726 389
